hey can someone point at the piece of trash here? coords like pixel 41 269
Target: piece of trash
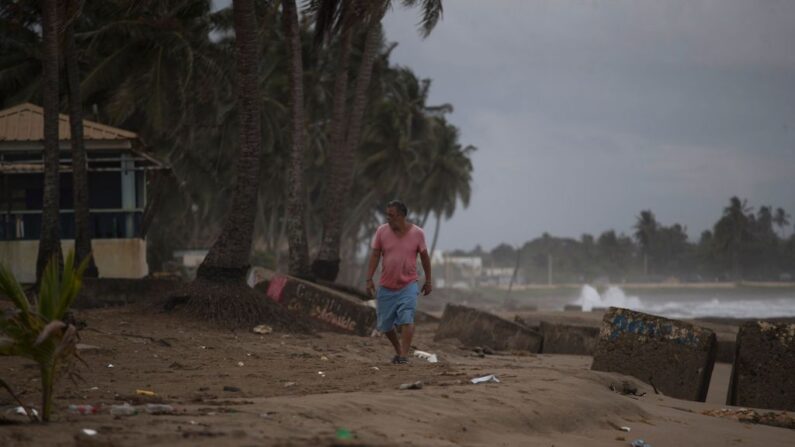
pixel 343 434
pixel 375 368
pixel 159 409
pixel 485 379
pixel 431 358
pixel 232 389
pixel 192 422
pixel 93 388
pixel 411 386
pixel 289 384
pixel 263 329
pixel 323 357
pixel 639 443
pixel 145 393
pixel 89 432
pixel 626 429
pixel 82 409
pixel 110 365
pixel 241 364
pixel 124 409
pixel 22 412
pixel 265 415
pixel 321 374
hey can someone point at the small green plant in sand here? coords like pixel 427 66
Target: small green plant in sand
pixel 34 328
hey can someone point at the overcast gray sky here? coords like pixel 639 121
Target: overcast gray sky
pixel 586 112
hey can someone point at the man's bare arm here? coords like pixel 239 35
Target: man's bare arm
pixel 426 267
pixel 374 258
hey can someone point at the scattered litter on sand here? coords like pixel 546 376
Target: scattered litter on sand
pixel 263 329
pixel 431 358
pixel 145 393
pixel 89 432
pixel 485 379
pixel 639 443
pixel 411 386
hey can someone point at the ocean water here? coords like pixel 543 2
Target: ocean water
pixel 696 304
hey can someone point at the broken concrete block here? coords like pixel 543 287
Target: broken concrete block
pixel 763 375
pixel 674 357
pixel 568 339
pixel 333 309
pixel 477 328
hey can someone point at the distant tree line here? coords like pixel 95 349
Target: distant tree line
pixel 743 244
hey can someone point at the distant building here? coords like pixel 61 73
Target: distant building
pixel 457 271
pixel 118 169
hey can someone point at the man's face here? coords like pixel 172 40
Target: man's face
pixel 394 218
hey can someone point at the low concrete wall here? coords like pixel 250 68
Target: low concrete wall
pixel 115 258
pixel 675 356
pixel 763 375
pixel 477 328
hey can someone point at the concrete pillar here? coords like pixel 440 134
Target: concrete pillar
pixel 128 193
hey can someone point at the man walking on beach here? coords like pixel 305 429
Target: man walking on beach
pixel 399 242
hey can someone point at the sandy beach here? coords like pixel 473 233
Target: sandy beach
pixel 241 388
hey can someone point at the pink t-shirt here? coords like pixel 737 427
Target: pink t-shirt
pixel 399 253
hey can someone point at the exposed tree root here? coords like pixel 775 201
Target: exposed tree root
pixel 233 305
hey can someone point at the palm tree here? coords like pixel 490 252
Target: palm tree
pixel 50 239
pixel 79 164
pixel 449 176
pixel 646 227
pixel 228 258
pixel 296 226
pixel 345 139
pixel 732 230
pixel 782 219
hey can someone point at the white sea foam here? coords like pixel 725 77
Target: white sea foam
pixel 731 308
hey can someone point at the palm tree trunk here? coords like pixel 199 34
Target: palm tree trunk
pixel 327 264
pixel 436 233
pixel 343 161
pixel 228 258
pixel 50 239
pixel 298 261
pixel 79 164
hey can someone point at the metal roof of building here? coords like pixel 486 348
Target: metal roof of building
pixel 25 122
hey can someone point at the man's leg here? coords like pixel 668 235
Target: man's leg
pixel 393 338
pixel 406 333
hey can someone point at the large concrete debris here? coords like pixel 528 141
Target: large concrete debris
pixel 763 375
pixel 568 339
pixel 332 309
pixel 675 357
pixel 477 328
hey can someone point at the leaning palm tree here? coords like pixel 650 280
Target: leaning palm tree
pixel 50 238
pixel 345 138
pixel 79 164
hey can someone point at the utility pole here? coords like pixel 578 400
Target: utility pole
pixel 549 269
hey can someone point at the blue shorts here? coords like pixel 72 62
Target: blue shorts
pixel 396 307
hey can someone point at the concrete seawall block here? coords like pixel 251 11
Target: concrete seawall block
pixel 675 357
pixel 568 339
pixel 332 309
pixel 763 375
pixel 478 328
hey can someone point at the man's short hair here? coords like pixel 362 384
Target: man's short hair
pixel 398 205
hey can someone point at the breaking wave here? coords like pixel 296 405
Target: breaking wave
pixel 729 308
